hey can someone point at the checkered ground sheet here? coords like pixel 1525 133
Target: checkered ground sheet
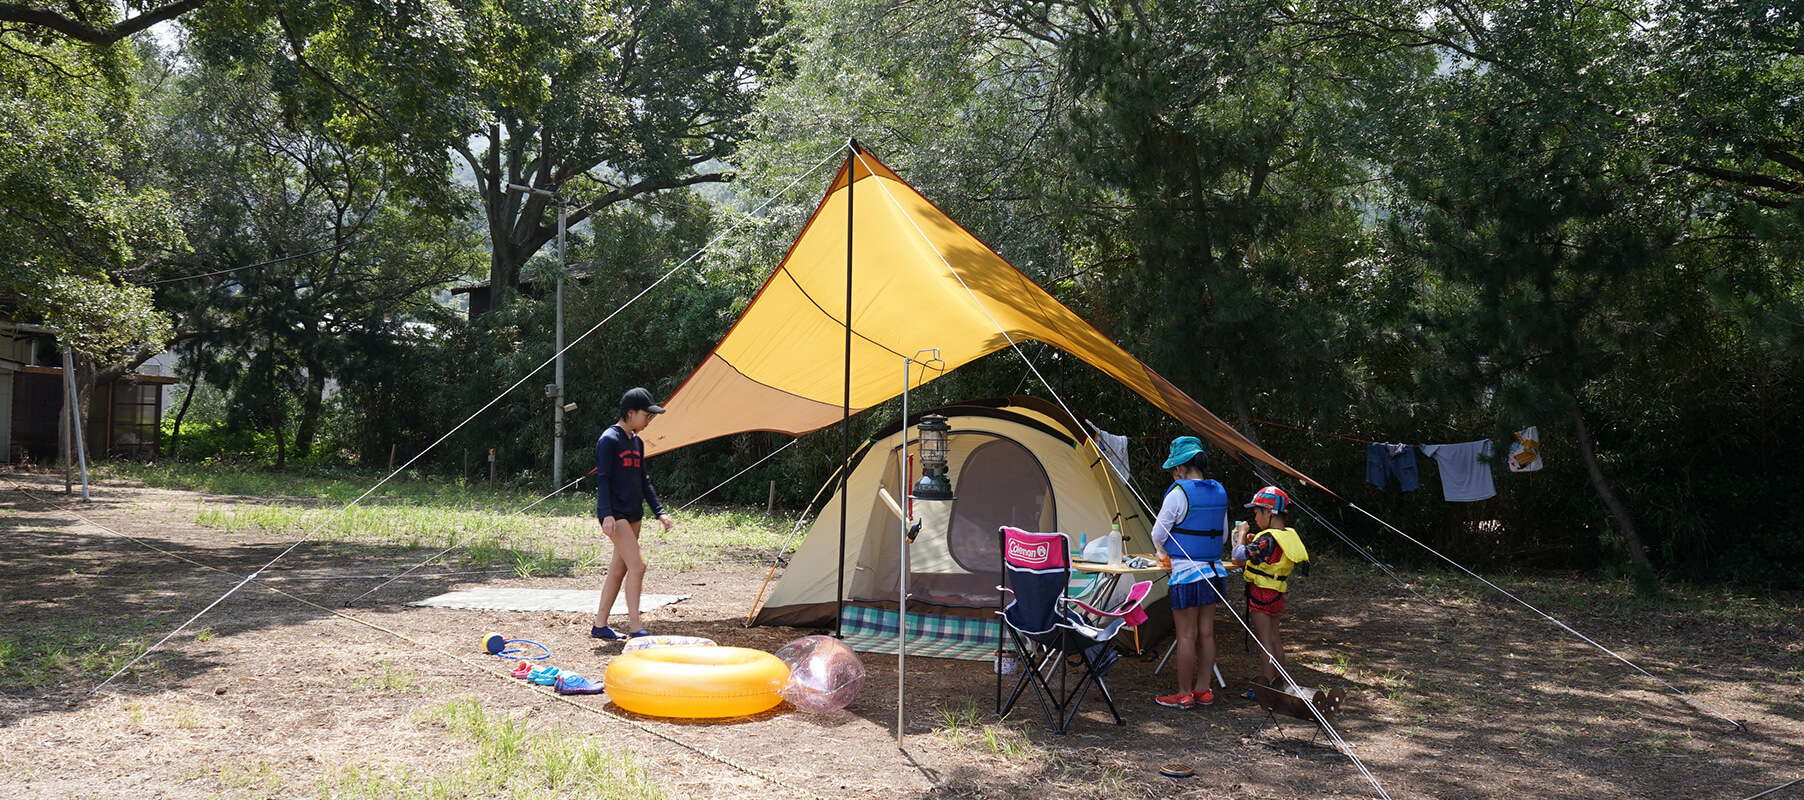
pixel 873 630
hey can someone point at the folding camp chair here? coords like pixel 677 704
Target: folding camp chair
pixel 1049 630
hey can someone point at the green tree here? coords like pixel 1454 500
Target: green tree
pixel 602 102
pixel 80 218
pixel 1222 133
pixel 95 21
pixel 1543 232
pixel 318 251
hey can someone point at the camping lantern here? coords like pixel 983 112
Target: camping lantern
pixel 933 485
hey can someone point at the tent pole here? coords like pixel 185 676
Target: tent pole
pixel 845 408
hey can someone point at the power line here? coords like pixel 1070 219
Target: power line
pixel 248 266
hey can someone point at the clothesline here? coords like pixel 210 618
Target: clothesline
pixel 1464 467
pixel 1306 430
pixel 1268 422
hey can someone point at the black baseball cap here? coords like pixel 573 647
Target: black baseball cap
pixel 638 399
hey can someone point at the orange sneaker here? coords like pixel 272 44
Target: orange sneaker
pixel 1179 700
pixel 1204 697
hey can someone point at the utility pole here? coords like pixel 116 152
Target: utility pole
pixel 556 390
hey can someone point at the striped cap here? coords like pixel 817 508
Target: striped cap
pixel 1271 498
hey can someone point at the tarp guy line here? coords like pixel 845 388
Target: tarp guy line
pixel 1345 748
pixel 1266 476
pixel 1385 568
pixel 1333 734
pixel 709 754
pixel 1550 618
pixel 429 448
pixel 456 542
pixel 554 493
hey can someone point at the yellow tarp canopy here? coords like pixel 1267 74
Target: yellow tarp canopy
pixel 919 281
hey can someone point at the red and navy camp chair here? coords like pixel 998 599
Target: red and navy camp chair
pixel 1045 628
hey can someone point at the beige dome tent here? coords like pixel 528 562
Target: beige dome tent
pixel 1018 461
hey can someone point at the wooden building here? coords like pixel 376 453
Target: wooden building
pixel 125 416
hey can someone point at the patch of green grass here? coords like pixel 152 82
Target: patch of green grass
pixel 963 726
pixel 1009 744
pixel 501 528
pixel 391 680
pixel 957 719
pixel 259 778
pixel 47 656
pixel 508 761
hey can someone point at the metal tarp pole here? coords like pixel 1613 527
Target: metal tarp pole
pixel 902 561
pixel 845 408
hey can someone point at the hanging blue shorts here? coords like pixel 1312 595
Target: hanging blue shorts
pixel 1384 460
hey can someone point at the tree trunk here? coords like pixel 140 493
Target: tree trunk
pixel 276 407
pixel 1237 393
pixel 311 404
pixel 86 379
pixel 281 440
pixel 175 435
pixel 1630 538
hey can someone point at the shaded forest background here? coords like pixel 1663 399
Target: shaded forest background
pixel 1330 222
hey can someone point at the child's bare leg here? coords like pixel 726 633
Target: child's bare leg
pixel 626 570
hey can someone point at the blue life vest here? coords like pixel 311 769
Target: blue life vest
pixel 1198 536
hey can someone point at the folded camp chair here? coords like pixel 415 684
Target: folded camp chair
pixel 1049 630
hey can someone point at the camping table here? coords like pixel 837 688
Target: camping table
pixel 1109 577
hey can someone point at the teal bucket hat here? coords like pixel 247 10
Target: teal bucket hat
pixel 1183 449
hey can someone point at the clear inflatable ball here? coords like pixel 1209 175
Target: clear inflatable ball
pixel 824 674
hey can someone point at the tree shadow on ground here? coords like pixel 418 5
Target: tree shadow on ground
pixel 83 605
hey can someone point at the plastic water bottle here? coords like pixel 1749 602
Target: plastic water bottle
pixel 1115 547
pixel 1077 554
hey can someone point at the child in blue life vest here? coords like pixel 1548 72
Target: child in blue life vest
pixel 1270 556
pixel 1189 532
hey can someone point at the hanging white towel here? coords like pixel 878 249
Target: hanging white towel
pixel 1525 452
pixel 1114 450
pixel 1464 477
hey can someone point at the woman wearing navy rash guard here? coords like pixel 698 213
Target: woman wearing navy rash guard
pixel 1189 529
pixel 622 490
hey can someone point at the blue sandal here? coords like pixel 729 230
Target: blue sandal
pixel 605 633
pixel 571 683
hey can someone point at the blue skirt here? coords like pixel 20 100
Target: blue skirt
pixel 1205 592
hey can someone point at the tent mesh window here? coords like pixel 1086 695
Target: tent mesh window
pixel 1000 483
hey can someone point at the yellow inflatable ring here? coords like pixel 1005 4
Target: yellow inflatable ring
pixel 696 682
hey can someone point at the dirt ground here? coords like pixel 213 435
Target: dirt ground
pixel 268 696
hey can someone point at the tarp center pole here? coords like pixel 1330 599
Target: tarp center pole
pixel 845 407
